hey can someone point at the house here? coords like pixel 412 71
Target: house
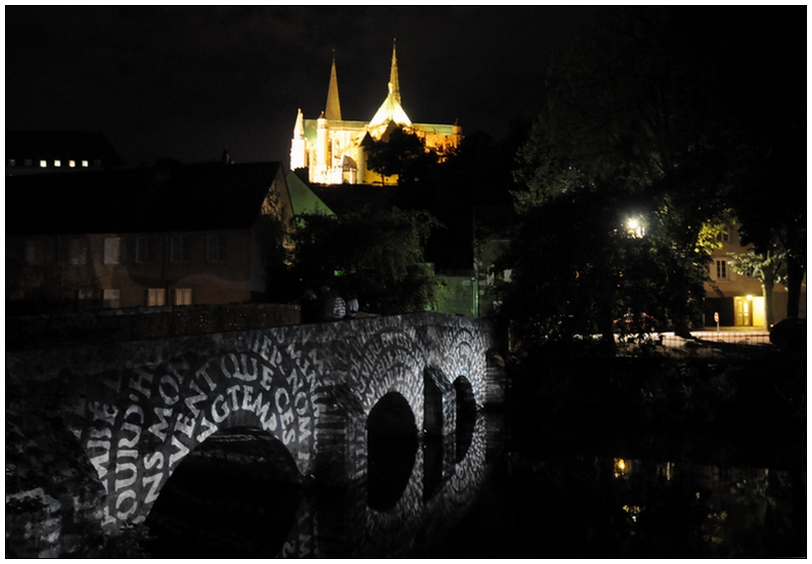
pixel 737 299
pixel 38 152
pixel 169 235
pixel 335 150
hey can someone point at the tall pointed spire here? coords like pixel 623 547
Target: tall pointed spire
pixel 391 110
pixel 394 83
pixel 333 107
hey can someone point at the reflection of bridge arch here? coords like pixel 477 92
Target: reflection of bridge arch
pixel 465 416
pixel 391 449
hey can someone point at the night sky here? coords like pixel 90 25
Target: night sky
pixel 187 82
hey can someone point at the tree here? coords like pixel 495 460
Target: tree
pixel 768 123
pixel 634 122
pixel 769 267
pixel 401 154
pixel 475 176
pixel 378 254
pixel 770 204
pixel 577 266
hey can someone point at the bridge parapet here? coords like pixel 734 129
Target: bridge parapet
pixel 139 407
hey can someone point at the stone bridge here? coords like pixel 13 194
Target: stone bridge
pixel 139 408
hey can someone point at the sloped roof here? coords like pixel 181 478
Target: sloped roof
pixel 348 198
pixel 50 145
pixel 390 111
pixel 303 199
pixel 169 197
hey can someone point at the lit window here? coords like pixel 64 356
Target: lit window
pixel 12 162
pixel 155 297
pixel 179 248
pixel 622 467
pixel 183 296
pixel 43 164
pixel 112 248
pixel 215 248
pixel 721 270
pixel 84 164
pixel 72 163
pixel 33 251
pixel 77 251
pixel 144 249
pixel 112 298
pixel 57 163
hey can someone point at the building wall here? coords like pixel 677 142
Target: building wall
pixel 457 297
pixel 325 143
pixel 74 271
pixel 738 298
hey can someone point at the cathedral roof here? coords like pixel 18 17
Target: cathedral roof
pixel 390 111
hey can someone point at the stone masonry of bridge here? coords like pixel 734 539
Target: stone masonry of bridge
pixel 136 409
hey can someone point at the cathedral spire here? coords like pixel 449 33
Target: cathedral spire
pixel 333 106
pixel 394 83
pixel 390 110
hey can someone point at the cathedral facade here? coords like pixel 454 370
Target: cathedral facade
pixel 334 150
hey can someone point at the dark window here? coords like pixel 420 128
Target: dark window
pixel 179 251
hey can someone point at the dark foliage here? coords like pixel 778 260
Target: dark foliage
pixel 377 254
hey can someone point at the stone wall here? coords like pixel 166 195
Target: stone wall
pixel 134 324
pixel 135 409
pixel 54 498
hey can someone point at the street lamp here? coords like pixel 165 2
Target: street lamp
pixel 634 227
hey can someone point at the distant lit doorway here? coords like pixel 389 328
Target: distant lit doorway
pixel 749 311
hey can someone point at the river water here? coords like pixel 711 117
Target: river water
pixel 475 496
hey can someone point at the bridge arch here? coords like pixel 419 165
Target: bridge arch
pixel 461 352
pixel 391 361
pixel 235 495
pixel 159 409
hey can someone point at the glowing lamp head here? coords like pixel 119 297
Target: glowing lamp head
pixel 634 227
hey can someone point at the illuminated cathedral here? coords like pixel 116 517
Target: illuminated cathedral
pixel 333 150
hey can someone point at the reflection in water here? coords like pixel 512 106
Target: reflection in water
pixel 492 503
pixel 703 510
pixel 391 444
pixel 466 417
pixel 388 512
pixel 567 506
